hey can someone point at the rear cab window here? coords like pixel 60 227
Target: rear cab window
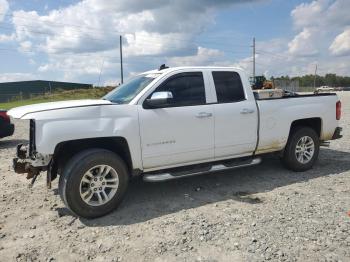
pixel 228 86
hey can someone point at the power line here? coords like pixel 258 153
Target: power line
pixel 15 49
pixel 262 52
pixel 144 42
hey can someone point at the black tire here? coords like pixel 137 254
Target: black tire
pixel 289 158
pixel 73 172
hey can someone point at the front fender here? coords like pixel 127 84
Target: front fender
pixel 57 126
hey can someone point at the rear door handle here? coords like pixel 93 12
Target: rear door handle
pixel 204 115
pixel 247 111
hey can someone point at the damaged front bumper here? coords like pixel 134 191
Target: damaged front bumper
pixel 30 163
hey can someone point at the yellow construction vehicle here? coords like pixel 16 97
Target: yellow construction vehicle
pixel 260 82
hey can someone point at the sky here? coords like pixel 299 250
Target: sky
pixel 78 41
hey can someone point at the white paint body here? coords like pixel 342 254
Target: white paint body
pixel 171 137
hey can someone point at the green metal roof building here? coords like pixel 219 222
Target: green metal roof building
pixel 26 89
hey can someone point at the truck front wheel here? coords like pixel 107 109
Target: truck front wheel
pixel 93 183
pixel 301 150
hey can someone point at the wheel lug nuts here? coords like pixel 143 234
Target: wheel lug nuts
pixel 92 184
pixel 101 178
pixel 95 189
pixel 100 188
pixel 95 179
pixel 103 183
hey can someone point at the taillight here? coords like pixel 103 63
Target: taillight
pixel 338 110
pixel 4 116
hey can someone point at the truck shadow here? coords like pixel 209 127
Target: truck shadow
pixel 146 201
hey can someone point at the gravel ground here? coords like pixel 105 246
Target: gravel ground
pixel 254 214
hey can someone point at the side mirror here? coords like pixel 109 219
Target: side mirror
pixel 158 100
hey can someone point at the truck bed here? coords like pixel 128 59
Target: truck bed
pixel 294 95
pixel 277 114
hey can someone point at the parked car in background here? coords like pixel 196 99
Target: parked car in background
pixel 6 127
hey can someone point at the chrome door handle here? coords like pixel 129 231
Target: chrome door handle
pixel 204 115
pixel 247 111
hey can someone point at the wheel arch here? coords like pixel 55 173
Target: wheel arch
pixel 315 123
pixel 67 149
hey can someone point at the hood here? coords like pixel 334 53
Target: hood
pixel 20 112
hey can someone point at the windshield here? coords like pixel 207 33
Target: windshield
pixel 126 92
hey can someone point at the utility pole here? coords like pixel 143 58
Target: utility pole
pixel 253 59
pixel 315 77
pixel 121 58
pixel 99 77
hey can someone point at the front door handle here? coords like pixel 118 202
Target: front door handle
pixel 247 111
pixel 204 115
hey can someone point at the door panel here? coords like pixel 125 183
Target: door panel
pixel 235 116
pixel 235 128
pixel 176 135
pixel 182 131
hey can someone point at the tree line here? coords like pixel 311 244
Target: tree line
pixel 331 80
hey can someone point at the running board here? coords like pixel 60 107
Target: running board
pixel 325 143
pixel 199 170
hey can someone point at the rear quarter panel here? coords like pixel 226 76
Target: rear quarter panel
pixel 277 116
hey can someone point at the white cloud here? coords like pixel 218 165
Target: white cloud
pixel 109 82
pixel 319 13
pixel 75 67
pixel 93 26
pixel 341 44
pixel 317 22
pixel 168 23
pixel 204 56
pixel 25 46
pixel 11 77
pixel 307 14
pixel 72 65
pixel 80 36
pixel 6 38
pixel 305 43
pixel 274 59
pixel 322 36
pixel 76 38
pixel 32 61
pixel 246 64
pixel 145 43
pixel 4 7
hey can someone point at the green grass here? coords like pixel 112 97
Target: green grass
pixel 95 93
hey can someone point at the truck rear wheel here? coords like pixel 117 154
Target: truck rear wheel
pixel 301 150
pixel 93 183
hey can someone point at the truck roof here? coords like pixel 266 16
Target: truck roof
pixel 171 69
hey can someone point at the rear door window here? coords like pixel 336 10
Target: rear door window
pixel 228 86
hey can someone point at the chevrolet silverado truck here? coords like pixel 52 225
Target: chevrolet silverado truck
pixel 166 124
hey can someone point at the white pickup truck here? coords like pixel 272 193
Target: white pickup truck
pixel 166 124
